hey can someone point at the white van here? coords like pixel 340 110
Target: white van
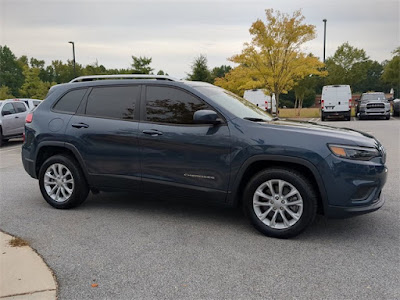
pixel 259 98
pixel 336 102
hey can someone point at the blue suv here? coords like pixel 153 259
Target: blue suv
pixel 197 141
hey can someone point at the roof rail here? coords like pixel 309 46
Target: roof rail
pixel 123 76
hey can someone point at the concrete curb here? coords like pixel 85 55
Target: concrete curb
pixel 23 273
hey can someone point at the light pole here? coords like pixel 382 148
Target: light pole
pixel 324 20
pixel 73 54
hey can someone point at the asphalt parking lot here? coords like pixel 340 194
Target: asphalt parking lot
pixel 139 248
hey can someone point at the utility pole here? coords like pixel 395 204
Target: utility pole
pixel 324 20
pixel 73 55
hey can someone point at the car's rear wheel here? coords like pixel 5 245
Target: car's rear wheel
pixel 62 182
pixel 280 202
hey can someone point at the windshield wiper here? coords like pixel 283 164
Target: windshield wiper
pixel 255 119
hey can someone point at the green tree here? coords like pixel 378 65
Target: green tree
pixel 5 93
pixel 391 73
pixel 33 87
pixel 219 72
pixel 141 65
pixel 348 65
pixel 60 72
pixel 274 60
pixel 10 70
pixel 200 71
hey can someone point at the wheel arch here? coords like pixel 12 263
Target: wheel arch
pixel 261 162
pixel 48 149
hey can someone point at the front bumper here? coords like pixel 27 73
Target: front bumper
pixel 353 187
pixel 374 113
pixel 341 212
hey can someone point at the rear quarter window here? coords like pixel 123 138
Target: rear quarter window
pixel 70 101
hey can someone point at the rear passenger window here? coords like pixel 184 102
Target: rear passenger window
pixel 170 105
pixel 70 101
pixel 116 102
pixel 19 107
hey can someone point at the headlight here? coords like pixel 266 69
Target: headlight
pixel 352 152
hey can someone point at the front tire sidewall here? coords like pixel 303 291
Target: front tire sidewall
pixel 300 183
pixel 81 189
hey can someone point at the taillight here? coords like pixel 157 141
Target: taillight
pixel 29 118
pixel 322 104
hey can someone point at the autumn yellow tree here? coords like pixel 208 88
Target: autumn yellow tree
pixel 274 60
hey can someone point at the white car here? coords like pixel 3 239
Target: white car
pixel 12 119
pixel 336 102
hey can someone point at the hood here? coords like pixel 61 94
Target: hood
pixel 339 135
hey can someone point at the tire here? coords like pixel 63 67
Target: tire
pixel 1 137
pixel 68 194
pixel 388 116
pixel 298 216
pixel 322 116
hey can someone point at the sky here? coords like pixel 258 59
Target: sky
pixel 174 32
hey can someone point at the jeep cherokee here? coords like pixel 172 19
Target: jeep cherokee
pixel 197 141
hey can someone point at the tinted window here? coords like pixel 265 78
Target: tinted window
pixel 19 107
pixel 8 109
pixel 36 103
pixel 113 102
pixel 70 101
pixel 169 105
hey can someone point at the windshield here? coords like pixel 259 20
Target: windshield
pixel 236 105
pixel 369 97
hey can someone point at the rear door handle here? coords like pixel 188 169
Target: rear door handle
pixel 152 132
pixel 80 125
pixel 16 117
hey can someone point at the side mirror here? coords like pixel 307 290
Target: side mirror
pixel 206 116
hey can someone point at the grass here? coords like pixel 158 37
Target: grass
pixel 18 242
pixel 313 112
pixel 304 113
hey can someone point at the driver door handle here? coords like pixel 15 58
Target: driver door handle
pixel 80 125
pixel 152 132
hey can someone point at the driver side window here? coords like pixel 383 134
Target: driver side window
pixel 8 109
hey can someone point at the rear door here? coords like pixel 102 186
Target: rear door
pixel 178 157
pixel 105 133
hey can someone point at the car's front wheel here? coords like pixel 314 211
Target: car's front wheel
pixel 280 202
pixel 62 182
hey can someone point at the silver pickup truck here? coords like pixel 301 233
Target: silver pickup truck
pixel 373 105
pixel 12 119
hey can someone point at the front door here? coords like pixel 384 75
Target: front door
pixel 9 120
pixel 188 160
